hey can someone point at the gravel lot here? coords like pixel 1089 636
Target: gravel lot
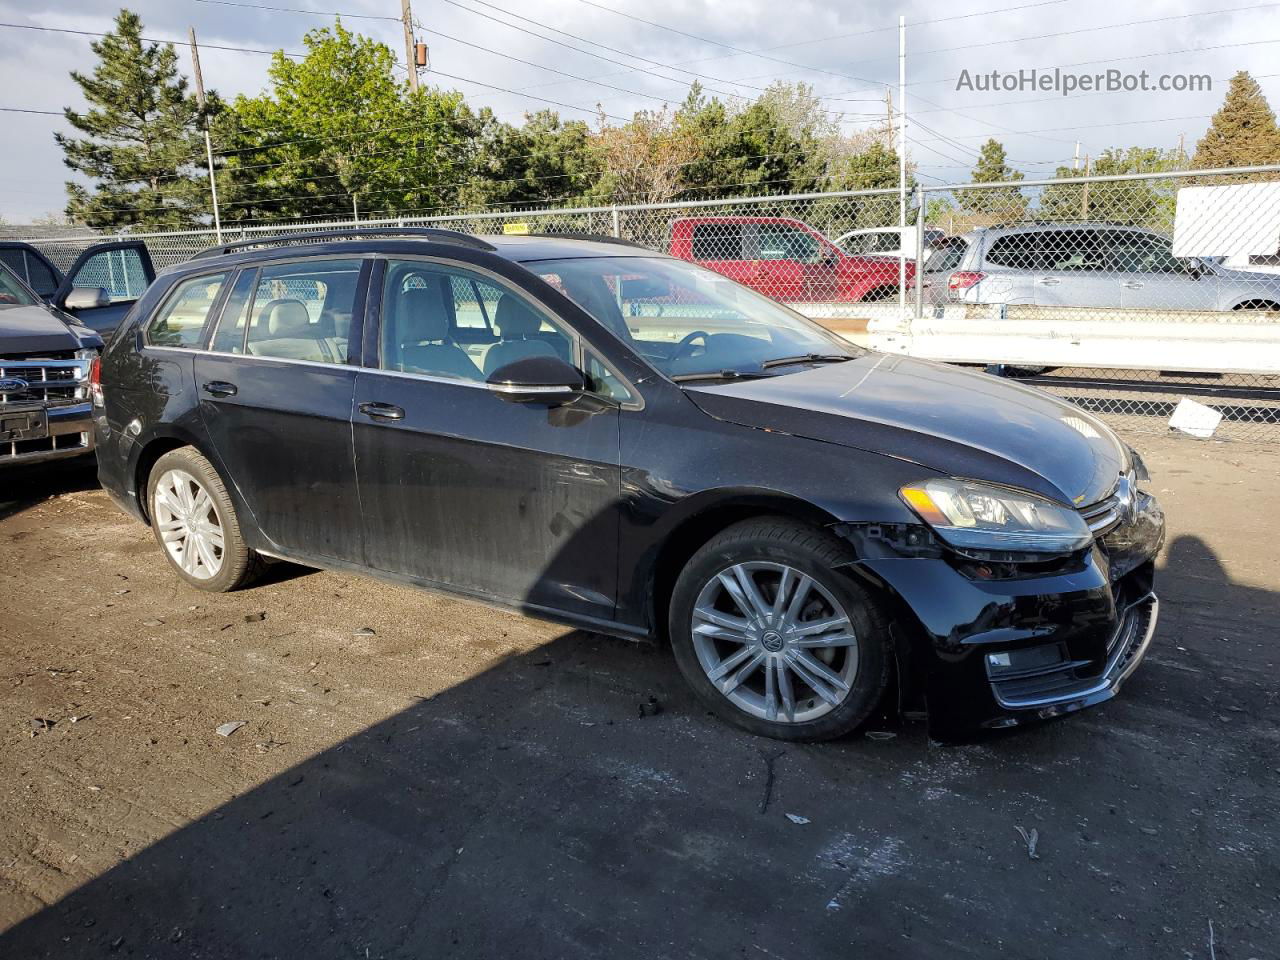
pixel 466 782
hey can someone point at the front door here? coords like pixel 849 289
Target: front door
pixel 275 400
pixel 1152 278
pixel 511 501
pixel 123 269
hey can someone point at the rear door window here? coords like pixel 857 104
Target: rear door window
pixel 303 310
pixel 718 241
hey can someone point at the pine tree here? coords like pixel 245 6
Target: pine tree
pixel 993 167
pixel 1243 132
pixel 142 137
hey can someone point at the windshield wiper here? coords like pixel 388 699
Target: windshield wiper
pixel 806 358
pixel 716 375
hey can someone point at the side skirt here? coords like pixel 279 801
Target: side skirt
pixel 612 628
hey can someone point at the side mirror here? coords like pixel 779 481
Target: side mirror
pixel 1196 267
pixel 86 298
pixel 540 379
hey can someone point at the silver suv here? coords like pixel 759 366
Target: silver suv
pixel 1087 265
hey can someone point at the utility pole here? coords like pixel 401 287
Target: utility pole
pixel 410 53
pixel 208 144
pixel 1075 163
pixel 902 161
pixel 1084 197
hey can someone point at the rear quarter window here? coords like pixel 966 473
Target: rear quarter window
pixel 947 257
pixel 180 322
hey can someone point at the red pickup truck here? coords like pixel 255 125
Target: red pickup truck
pixel 784 259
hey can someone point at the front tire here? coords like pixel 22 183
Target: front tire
pixel 195 523
pixel 774 638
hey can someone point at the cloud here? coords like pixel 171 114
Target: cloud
pixel 847 51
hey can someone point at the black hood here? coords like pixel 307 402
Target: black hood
pixel 956 422
pixel 25 330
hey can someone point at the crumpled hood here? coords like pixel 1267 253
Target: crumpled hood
pixel 953 421
pixel 37 329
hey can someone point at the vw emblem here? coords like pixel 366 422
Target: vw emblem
pixel 13 385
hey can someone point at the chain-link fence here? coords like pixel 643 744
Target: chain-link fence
pixel 1127 294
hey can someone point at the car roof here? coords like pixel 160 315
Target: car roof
pixel 441 243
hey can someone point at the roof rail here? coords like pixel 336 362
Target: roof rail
pixel 350 233
pixel 595 237
pixel 1041 222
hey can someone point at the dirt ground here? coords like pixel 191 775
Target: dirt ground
pixel 455 781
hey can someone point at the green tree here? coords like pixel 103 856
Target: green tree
pixel 1243 132
pixel 993 167
pixel 337 132
pixel 142 142
pixel 1134 202
pixel 545 161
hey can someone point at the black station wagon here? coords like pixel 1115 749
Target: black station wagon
pixel 620 440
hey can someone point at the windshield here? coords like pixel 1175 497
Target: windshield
pixel 688 321
pixel 12 291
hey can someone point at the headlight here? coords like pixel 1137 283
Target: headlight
pixel 86 353
pixel 982 516
pixel 1140 472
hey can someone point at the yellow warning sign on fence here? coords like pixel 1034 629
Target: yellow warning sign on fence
pixel 520 228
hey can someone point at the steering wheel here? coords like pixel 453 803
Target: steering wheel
pixel 683 348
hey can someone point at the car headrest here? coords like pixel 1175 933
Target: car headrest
pixel 285 318
pixel 421 315
pixel 342 324
pixel 515 319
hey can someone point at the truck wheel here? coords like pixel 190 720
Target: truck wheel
pixel 773 638
pixel 195 523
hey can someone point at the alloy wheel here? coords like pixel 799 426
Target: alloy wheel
pixel 188 524
pixel 775 642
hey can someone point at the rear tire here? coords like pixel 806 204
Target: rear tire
pixel 811 664
pixel 195 523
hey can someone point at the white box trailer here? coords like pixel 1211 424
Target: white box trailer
pixel 1239 223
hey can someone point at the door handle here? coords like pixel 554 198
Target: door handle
pixel 382 411
pixel 220 388
pixel 1049 281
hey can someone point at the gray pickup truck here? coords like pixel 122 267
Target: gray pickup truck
pixel 52 325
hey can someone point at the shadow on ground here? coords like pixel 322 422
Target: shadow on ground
pixel 24 487
pixel 532 812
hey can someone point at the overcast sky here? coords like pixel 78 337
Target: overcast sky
pixel 839 47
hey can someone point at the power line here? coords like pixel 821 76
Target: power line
pixel 842 36
pixel 318 13
pixel 91 33
pixel 602 46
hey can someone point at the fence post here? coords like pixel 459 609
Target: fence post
pixel 919 277
pixel 617 223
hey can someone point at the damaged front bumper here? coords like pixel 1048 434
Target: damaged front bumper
pixel 991 653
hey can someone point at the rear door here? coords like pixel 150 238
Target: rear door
pixel 33 267
pixel 790 262
pixel 1073 269
pixel 722 246
pixel 123 269
pixel 275 399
